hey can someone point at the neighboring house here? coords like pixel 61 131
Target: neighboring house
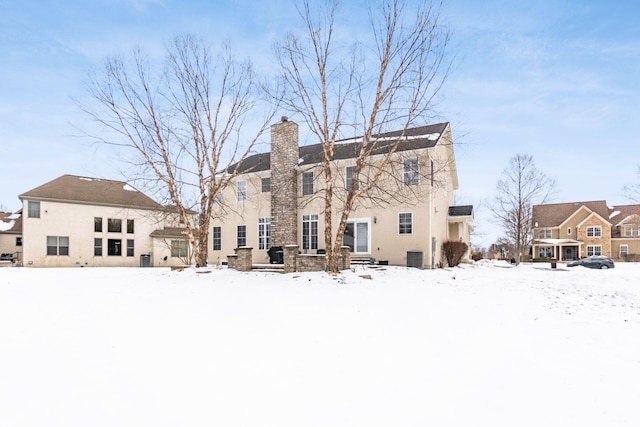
pixel 80 221
pixel 276 199
pixel 11 235
pixel 569 231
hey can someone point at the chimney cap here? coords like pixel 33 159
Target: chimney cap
pixel 284 119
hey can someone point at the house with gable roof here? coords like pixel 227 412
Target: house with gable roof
pixel 276 200
pixel 82 221
pixel 11 236
pixel 570 231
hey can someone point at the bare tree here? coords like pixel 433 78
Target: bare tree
pixel 632 191
pixel 387 82
pixel 182 126
pixel 522 186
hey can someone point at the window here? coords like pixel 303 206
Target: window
pixel 18 241
pixel 309 231
pixel 594 231
pixel 97 247
pixel 356 236
pixel 130 247
pixel 307 183
pixel 545 252
pixel 264 233
pixel 217 238
pixel 242 191
pixel 179 249
pixel 405 223
pixel 349 177
pixel 433 174
pixel 569 231
pixel 114 247
pixel 130 226
pixel 266 185
pixel 241 236
pixel 624 251
pixel 594 250
pixel 97 225
pixel 631 230
pixel 33 209
pixel 411 172
pixel 545 233
pixel 114 225
pixel 217 200
pixel 57 245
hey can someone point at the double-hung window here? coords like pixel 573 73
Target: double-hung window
pixel 309 231
pixel 57 245
pixel 217 238
pixel 307 183
pixel 411 171
pixel 594 250
pixel 241 236
pixel 624 251
pixel 405 223
pixel 179 249
pixel 242 191
pixel 264 233
pixel 349 177
pixel 33 209
pixel 130 247
pixel 97 247
pixel 266 185
pixel 594 231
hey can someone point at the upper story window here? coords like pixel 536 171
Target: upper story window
pixel 594 231
pixel 348 177
pixel 545 233
pixel 307 183
pixel 129 226
pixel 569 231
pixel 242 191
pixel 97 224
pixel 114 225
pixel 266 185
pixel 631 230
pixel 411 171
pixel 33 209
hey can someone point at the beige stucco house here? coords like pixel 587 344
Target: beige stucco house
pixel 11 236
pixel 570 231
pixel 276 199
pixel 81 221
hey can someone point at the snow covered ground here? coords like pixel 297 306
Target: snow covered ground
pixel 482 345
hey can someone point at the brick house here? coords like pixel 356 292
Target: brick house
pixel 569 231
pixel 81 221
pixel 276 200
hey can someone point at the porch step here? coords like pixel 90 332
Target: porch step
pixel 268 268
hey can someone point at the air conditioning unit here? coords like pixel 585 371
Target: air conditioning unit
pixel 415 259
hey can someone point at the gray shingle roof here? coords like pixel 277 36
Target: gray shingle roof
pixel 415 138
pixel 94 191
pixel 11 223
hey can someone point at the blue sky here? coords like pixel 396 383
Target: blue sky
pixel 557 79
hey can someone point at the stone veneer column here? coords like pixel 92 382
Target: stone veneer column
pixel 245 260
pixel 345 258
pixel 290 258
pixel 284 188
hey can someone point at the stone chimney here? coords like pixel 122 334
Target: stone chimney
pixel 284 183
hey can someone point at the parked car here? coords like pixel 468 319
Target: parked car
pixel 596 261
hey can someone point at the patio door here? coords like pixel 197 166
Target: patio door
pixel 569 253
pixel 357 236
